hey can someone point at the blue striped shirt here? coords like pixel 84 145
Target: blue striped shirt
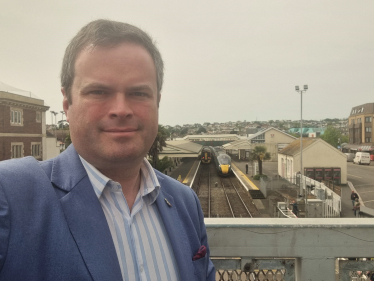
pixel 142 244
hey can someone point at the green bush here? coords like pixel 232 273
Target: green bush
pixel 257 177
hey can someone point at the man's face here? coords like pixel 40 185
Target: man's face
pixel 113 116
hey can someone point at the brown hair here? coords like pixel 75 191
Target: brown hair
pixel 107 33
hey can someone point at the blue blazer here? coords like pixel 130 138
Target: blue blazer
pixel 52 226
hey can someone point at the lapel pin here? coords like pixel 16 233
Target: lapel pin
pixel 167 202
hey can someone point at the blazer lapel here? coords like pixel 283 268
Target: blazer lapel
pixel 177 235
pixel 85 217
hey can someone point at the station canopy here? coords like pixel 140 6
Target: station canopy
pixel 180 149
pixel 239 144
pixel 226 137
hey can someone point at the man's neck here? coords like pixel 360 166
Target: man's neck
pixel 128 178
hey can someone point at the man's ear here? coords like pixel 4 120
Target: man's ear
pixel 65 104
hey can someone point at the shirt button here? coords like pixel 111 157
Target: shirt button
pixel 141 268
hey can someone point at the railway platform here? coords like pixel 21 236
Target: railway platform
pixel 185 171
pixel 247 180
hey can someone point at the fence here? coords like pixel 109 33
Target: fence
pixel 328 201
pixel 331 200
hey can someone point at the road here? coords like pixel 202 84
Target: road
pixel 362 177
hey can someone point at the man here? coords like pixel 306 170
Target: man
pixel 246 168
pixel 353 198
pixel 295 208
pixel 99 211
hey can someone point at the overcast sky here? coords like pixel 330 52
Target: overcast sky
pixel 224 60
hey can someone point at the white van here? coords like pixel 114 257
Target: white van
pixel 362 158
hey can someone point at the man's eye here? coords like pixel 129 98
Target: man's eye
pixel 98 92
pixel 139 94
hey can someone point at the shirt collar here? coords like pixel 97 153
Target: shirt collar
pixel 148 180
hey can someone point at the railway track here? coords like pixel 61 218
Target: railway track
pixel 236 204
pixel 222 197
pixel 203 190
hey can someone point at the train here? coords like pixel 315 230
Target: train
pixel 222 161
pixel 206 155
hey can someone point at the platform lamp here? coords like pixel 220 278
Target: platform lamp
pixel 54 113
pixel 301 136
pixel 63 128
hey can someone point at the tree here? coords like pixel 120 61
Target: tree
pixel 158 145
pixel 164 164
pixel 332 136
pixel 184 131
pixel 201 130
pixel 260 154
pixel 67 140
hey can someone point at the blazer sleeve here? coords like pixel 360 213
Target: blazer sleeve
pixel 4 227
pixel 210 270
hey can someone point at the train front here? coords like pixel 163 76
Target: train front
pixel 224 167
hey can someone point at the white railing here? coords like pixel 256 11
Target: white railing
pixel 313 245
pixel 331 200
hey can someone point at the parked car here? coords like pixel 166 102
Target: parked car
pixel 362 158
pixel 350 156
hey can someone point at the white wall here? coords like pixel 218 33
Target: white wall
pixel 52 148
pixel 286 166
pixel 319 154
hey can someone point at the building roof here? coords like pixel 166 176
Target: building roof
pixel 212 137
pixel 367 108
pixel 268 129
pixel 239 144
pixel 294 147
pixel 246 144
pixel 10 89
pixel 181 148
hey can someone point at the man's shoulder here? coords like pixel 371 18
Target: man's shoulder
pixel 23 169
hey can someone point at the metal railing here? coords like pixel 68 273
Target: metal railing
pixel 283 249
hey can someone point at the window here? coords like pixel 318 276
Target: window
pixel 352 121
pixel 367 140
pixel 358 120
pixel 36 149
pixel 259 139
pixel 367 119
pixel 38 117
pixel 17 149
pixel 368 129
pixel 16 117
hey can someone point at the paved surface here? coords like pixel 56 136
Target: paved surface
pixel 362 178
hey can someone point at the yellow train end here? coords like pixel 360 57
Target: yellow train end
pixel 225 169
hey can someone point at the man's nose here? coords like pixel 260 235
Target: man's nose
pixel 120 106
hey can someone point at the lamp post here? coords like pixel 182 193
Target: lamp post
pixel 54 113
pixel 301 137
pixel 63 129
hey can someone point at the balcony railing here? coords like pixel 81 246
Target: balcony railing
pixel 290 249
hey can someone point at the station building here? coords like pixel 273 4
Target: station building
pixel 22 124
pixel 319 157
pixel 273 139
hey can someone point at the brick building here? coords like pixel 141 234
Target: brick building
pixel 361 128
pixel 22 124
